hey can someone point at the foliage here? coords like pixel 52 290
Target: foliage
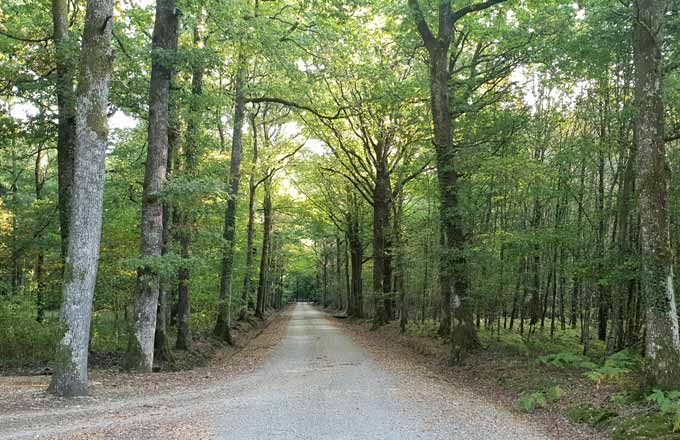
pixel 591 415
pixel 614 368
pixel 567 360
pixel 530 401
pixel 668 402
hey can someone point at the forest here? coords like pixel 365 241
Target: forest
pixel 477 173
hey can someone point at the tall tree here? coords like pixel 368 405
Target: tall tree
pixel 223 323
pixel 66 131
pixel 187 217
pixel 452 272
pixel 82 257
pixel 662 346
pixel 164 44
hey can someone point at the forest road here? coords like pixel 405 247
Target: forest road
pixel 317 383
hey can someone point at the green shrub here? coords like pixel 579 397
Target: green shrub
pixel 554 393
pixel 615 367
pixel 528 402
pixel 427 328
pixel 25 341
pixel 567 360
pixel 590 415
pixel 668 403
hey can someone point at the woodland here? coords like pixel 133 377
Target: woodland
pixel 465 170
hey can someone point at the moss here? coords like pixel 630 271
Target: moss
pixel 66 381
pixel 654 426
pixel 134 358
pixel 590 415
pixel 98 122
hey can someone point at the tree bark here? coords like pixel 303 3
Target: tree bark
pixel 82 256
pixel 222 326
pixel 381 221
pixel 141 344
pixel 186 228
pixel 39 180
pixel 355 308
pixel 66 48
pixel 161 345
pixel 264 258
pixel 662 345
pixel 250 249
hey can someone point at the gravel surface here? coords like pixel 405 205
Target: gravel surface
pixel 303 378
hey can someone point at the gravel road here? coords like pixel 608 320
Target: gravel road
pixel 316 383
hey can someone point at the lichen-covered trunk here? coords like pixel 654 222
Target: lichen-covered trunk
pixel 82 256
pixel 264 258
pixel 66 48
pixel 223 323
pixel 141 343
pixel 662 346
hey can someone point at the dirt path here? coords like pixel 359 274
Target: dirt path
pixel 314 383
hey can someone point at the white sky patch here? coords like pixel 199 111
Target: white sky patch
pixel 316 146
pixel 123 121
pixel 23 111
pixel 580 12
pixel 291 130
pixel 301 65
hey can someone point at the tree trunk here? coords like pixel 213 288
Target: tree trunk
pixel 161 344
pixel 452 273
pixel 39 180
pixel 141 344
pixel 223 324
pixel 80 269
pixel 66 49
pixel 356 257
pixel 186 228
pixel 662 345
pixel 264 259
pixel 250 249
pixel 381 219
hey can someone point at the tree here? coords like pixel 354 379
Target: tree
pixel 662 345
pixel 80 271
pixel 141 347
pixel 452 272
pixel 223 323
pixel 65 69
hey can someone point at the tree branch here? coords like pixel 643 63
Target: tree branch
pixel 294 105
pixel 474 8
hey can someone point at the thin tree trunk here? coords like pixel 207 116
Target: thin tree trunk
pixel 66 49
pixel 250 249
pixel 223 324
pixel 187 226
pixel 264 259
pixel 39 180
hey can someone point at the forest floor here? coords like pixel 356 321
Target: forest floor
pixel 303 377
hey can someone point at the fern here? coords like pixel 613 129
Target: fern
pixel 668 403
